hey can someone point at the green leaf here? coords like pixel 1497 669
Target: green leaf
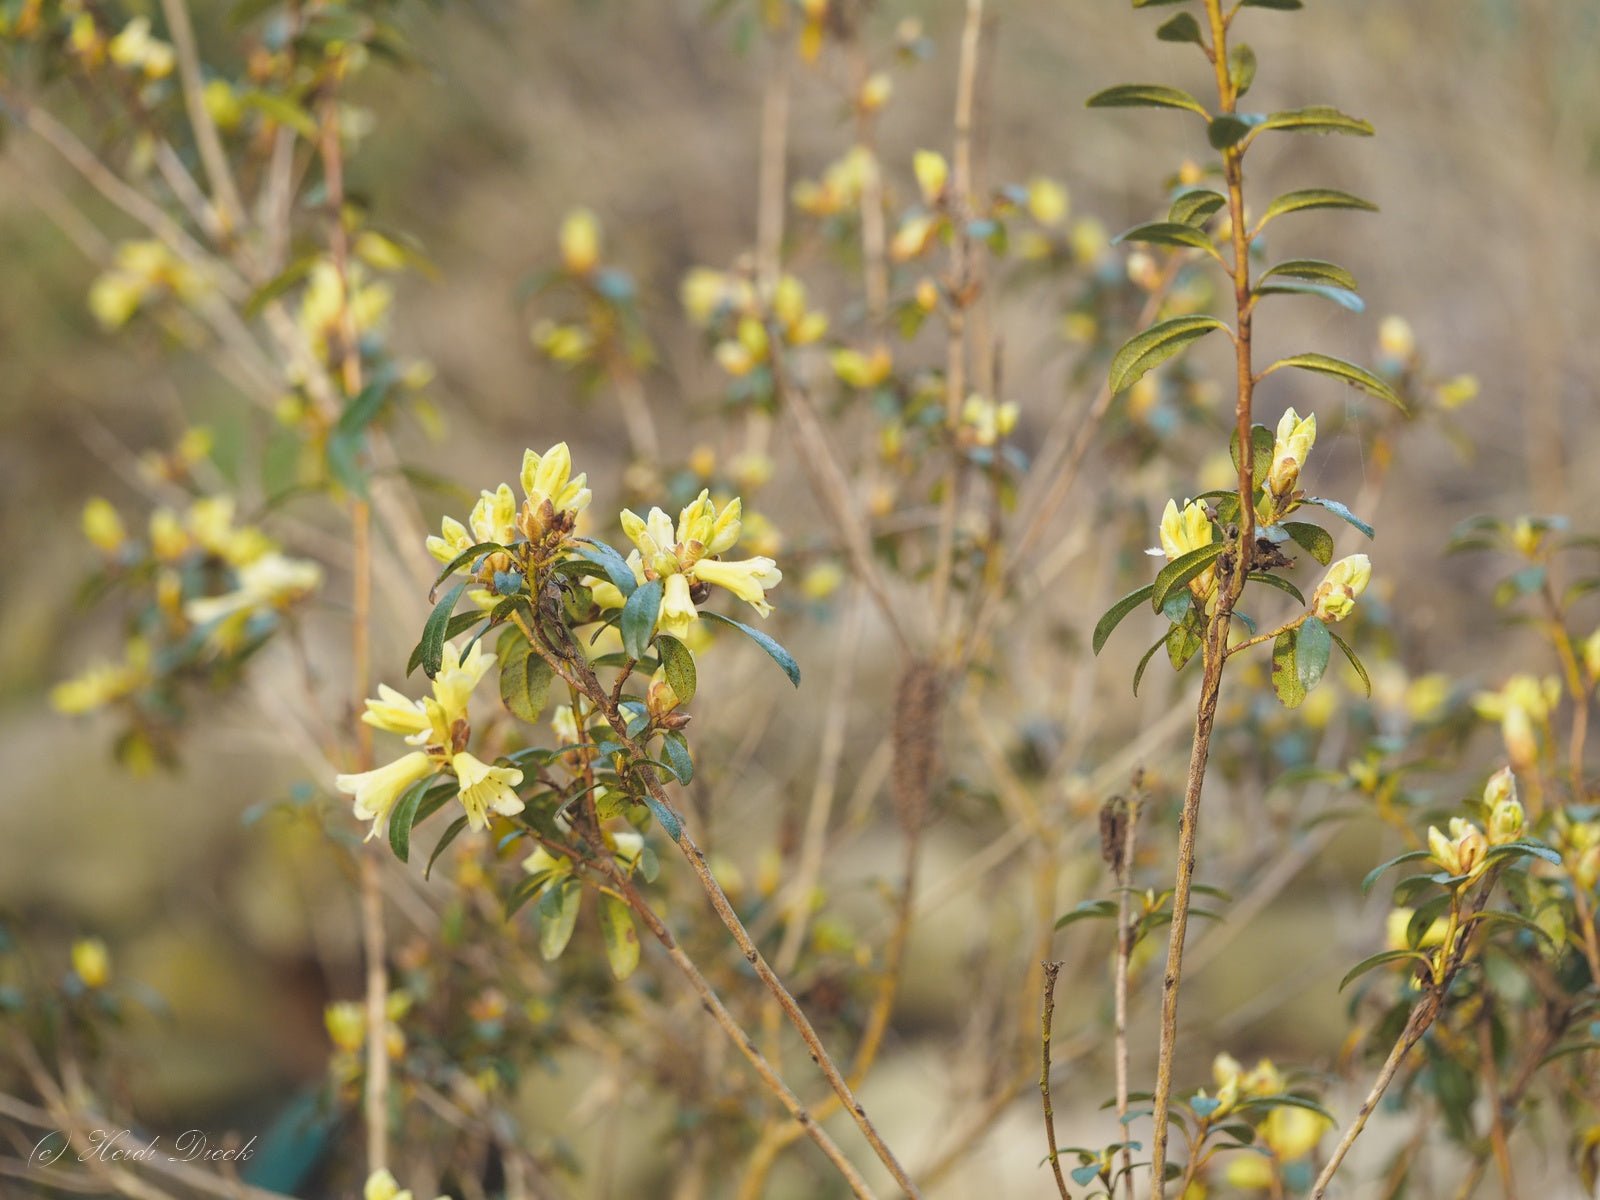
pixel 1280 5
pixel 1181 570
pixel 639 618
pixel 616 567
pixel 404 816
pixel 1355 662
pixel 1241 68
pixel 434 631
pixel 1317 541
pixel 1286 682
pixel 1229 129
pixel 1319 118
pixel 1183 642
pixel 1524 848
pixel 1138 672
pixel 676 748
pixel 1356 377
pixel 1371 877
pixel 1504 917
pixel 1181 28
pixel 775 651
pixel 1146 95
pixel 1309 198
pixel 1262 444
pixel 1288 1100
pixel 470 554
pixel 1114 615
pixel 1312 648
pixel 1276 581
pixel 1377 960
pixel 1313 270
pixel 1340 511
pixel 1147 350
pixel 678 664
pixel 1195 206
pixel 558 915
pixel 622 939
pixel 524 677
pixel 450 835
pixel 1088 910
pixel 1155 3
pixel 1304 287
pixel 282 110
pixel 1170 233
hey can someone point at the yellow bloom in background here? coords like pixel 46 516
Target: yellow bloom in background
pixel 273 581
pixel 377 790
pixel 346 1023
pixel 1293 443
pixel 1399 920
pixel 102 526
pixel 91 962
pixel 859 370
pixel 1591 655
pixel 1521 706
pixel 1396 341
pixel 875 92
pixel 912 238
pixel 933 174
pixel 1292 1132
pixel 580 241
pixel 486 789
pixel 1506 817
pixel 135 49
pixel 1335 597
pixel 987 422
pixel 1048 202
pixel 103 683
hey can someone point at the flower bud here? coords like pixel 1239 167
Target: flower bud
pixel 933 174
pixel 91 962
pixel 1462 851
pixel 580 241
pixel 1335 596
pixel 1293 443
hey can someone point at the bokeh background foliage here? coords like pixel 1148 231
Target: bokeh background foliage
pixel 648 114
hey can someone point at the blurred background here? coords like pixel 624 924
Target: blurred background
pixel 1485 169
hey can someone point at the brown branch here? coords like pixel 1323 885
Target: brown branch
pixel 1047 1019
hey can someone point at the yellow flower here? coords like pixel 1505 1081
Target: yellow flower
pixel 1292 1132
pixel 485 789
pixel 1521 706
pixel 346 1023
pixel 933 174
pixel 686 555
pixel 1335 596
pixel 1047 202
pixel 1505 810
pixel 1462 851
pixel 103 683
pixel 1183 531
pixel 548 476
pixel 860 370
pixel 1293 443
pixel 1399 921
pixel 875 92
pixel 102 526
pixel 1247 1172
pixel 987 421
pixel 912 238
pixel 377 790
pixel 1591 654
pixel 134 48
pixel 91 962
pixel 580 241
pixel 273 581
pixel 1396 340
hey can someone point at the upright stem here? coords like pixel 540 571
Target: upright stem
pixel 1124 878
pixel 1051 971
pixel 1230 582
pixel 375 1106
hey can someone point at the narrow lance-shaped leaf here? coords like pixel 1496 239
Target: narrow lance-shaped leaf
pixel 639 618
pixel 1318 118
pixel 1195 206
pixel 621 938
pixel 404 815
pixel 1341 511
pixel 1356 377
pixel 1313 270
pixel 558 916
pixel 1181 570
pixel 1312 648
pixel 1171 233
pixel 1146 95
pixel 678 664
pixel 431 646
pixel 1303 287
pixel 1145 351
pixel 1286 682
pixel 1311 198
pixel 774 651
pixel 1114 615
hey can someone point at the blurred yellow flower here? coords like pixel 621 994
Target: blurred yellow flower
pixel 580 241
pixel 1335 597
pixel 91 962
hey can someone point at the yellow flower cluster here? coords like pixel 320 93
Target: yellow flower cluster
pixel 730 304
pixel 685 558
pixel 439 725
pixel 135 50
pixel 143 271
pixel 840 187
pixel 1288 1132
pixel 1183 531
pixel 323 304
pixel 1523 707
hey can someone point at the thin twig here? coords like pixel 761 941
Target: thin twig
pixel 1047 1019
